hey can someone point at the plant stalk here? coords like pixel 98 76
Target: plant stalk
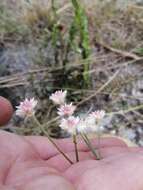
pixel 88 143
pixel 50 139
pixel 76 150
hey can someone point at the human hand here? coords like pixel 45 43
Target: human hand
pixel 32 163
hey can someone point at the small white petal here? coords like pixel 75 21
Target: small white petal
pixel 58 97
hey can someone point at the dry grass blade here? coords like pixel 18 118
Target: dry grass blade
pixel 121 52
pixel 122 112
pixel 64 8
pixel 99 90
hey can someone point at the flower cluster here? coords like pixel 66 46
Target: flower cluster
pixel 69 122
pixel 65 111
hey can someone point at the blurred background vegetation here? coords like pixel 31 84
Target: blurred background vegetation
pixel 94 49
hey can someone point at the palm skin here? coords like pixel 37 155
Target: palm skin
pixel 32 163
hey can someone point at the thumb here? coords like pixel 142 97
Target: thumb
pixel 6 111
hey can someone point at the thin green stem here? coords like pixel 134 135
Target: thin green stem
pixel 99 137
pixel 50 139
pixel 87 141
pixel 76 150
pixel 127 110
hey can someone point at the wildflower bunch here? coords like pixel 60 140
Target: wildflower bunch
pixel 26 109
pixel 73 124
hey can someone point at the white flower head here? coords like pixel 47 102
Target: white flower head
pixel 58 97
pixel 66 110
pixel 97 115
pixel 87 125
pixel 70 124
pixel 26 108
pixel 82 126
pixel 91 122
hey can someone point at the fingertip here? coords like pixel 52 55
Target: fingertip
pixel 6 111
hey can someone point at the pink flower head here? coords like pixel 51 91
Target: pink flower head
pixel 26 108
pixel 66 110
pixel 97 115
pixel 92 121
pixel 58 97
pixel 70 124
